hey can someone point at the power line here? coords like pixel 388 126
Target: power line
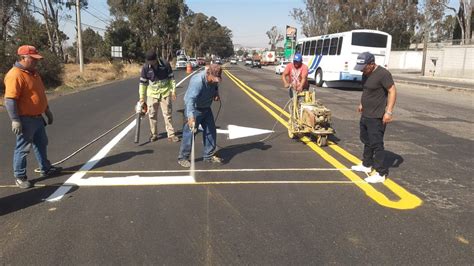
pixel 90 13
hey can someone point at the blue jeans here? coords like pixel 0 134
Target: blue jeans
pixel 205 118
pixel 372 131
pixel 33 134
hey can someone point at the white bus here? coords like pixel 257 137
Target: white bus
pixel 332 57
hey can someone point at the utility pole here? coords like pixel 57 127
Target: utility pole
pixel 425 38
pixel 79 35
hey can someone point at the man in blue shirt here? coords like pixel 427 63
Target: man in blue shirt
pixel 202 90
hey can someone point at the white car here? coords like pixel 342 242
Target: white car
pixel 233 61
pixel 181 62
pixel 194 62
pixel 248 61
pixel 281 67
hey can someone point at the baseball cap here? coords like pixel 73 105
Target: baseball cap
pixel 29 50
pixel 298 58
pixel 151 55
pixel 363 59
pixel 215 70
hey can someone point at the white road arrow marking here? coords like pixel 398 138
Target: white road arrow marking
pixel 236 132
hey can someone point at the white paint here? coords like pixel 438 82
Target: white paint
pixel 236 132
pixel 133 181
pixel 61 191
pixel 219 170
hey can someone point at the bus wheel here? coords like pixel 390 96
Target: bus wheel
pixel 319 77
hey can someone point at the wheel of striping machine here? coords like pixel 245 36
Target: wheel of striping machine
pixel 321 140
pixel 291 122
pixel 319 77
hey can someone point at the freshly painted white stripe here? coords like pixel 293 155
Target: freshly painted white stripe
pixel 218 170
pixel 60 192
pixel 133 181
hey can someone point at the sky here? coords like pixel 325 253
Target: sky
pixel 249 20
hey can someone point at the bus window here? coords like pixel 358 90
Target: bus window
pixel 319 47
pixel 298 48
pixel 306 48
pixel 333 46
pixel 369 39
pixel 339 46
pixel 326 46
pixel 312 47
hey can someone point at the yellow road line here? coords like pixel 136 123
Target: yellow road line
pixel 406 199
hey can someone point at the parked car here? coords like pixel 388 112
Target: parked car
pixel 194 62
pixel 181 62
pixel 233 61
pixel 281 67
pixel 218 61
pixel 256 63
pixel 201 61
pixel 248 62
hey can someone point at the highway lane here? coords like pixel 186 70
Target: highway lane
pixel 330 218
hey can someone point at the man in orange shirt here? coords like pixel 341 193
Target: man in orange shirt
pixel 26 101
pixel 296 75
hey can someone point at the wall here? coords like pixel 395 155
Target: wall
pixel 406 60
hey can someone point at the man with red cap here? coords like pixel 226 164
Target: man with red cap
pixel 26 102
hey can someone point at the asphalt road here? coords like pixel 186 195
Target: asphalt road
pixel 274 201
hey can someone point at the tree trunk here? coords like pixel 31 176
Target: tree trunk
pixel 45 14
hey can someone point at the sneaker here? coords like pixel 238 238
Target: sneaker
pixel 184 163
pixel 375 178
pixel 51 171
pixel 173 139
pixel 213 159
pixel 361 168
pixel 153 138
pixel 22 182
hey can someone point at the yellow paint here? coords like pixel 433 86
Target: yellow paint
pixel 406 199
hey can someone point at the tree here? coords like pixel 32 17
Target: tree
pixel 464 19
pixel 120 33
pixel 275 37
pixel 92 44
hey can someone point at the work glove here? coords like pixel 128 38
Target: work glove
pixel 16 127
pixel 49 116
pixel 192 124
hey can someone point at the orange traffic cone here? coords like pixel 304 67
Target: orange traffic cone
pixel 189 69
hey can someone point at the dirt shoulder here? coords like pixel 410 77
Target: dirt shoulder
pixel 94 74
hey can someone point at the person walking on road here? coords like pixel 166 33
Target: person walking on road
pixel 26 102
pixel 202 90
pixel 157 89
pixel 295 75
pixel 376 108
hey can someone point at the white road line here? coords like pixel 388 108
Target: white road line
pixel 216 170
pixel 60 192
pixel 133 181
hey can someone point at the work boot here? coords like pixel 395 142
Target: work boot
pixel 173 139
pixel 361 168
pixel 153 138
pixel 375 178
pixel 184 163
pixel 214 159
pixel 22 182
pixel 51 171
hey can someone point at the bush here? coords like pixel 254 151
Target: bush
pixel 50 69
pixel 117 66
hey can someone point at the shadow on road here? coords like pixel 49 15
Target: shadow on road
pixel 27 198
pixel 392 160
pixel 227 153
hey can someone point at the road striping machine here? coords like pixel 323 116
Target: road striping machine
pixel 309 116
